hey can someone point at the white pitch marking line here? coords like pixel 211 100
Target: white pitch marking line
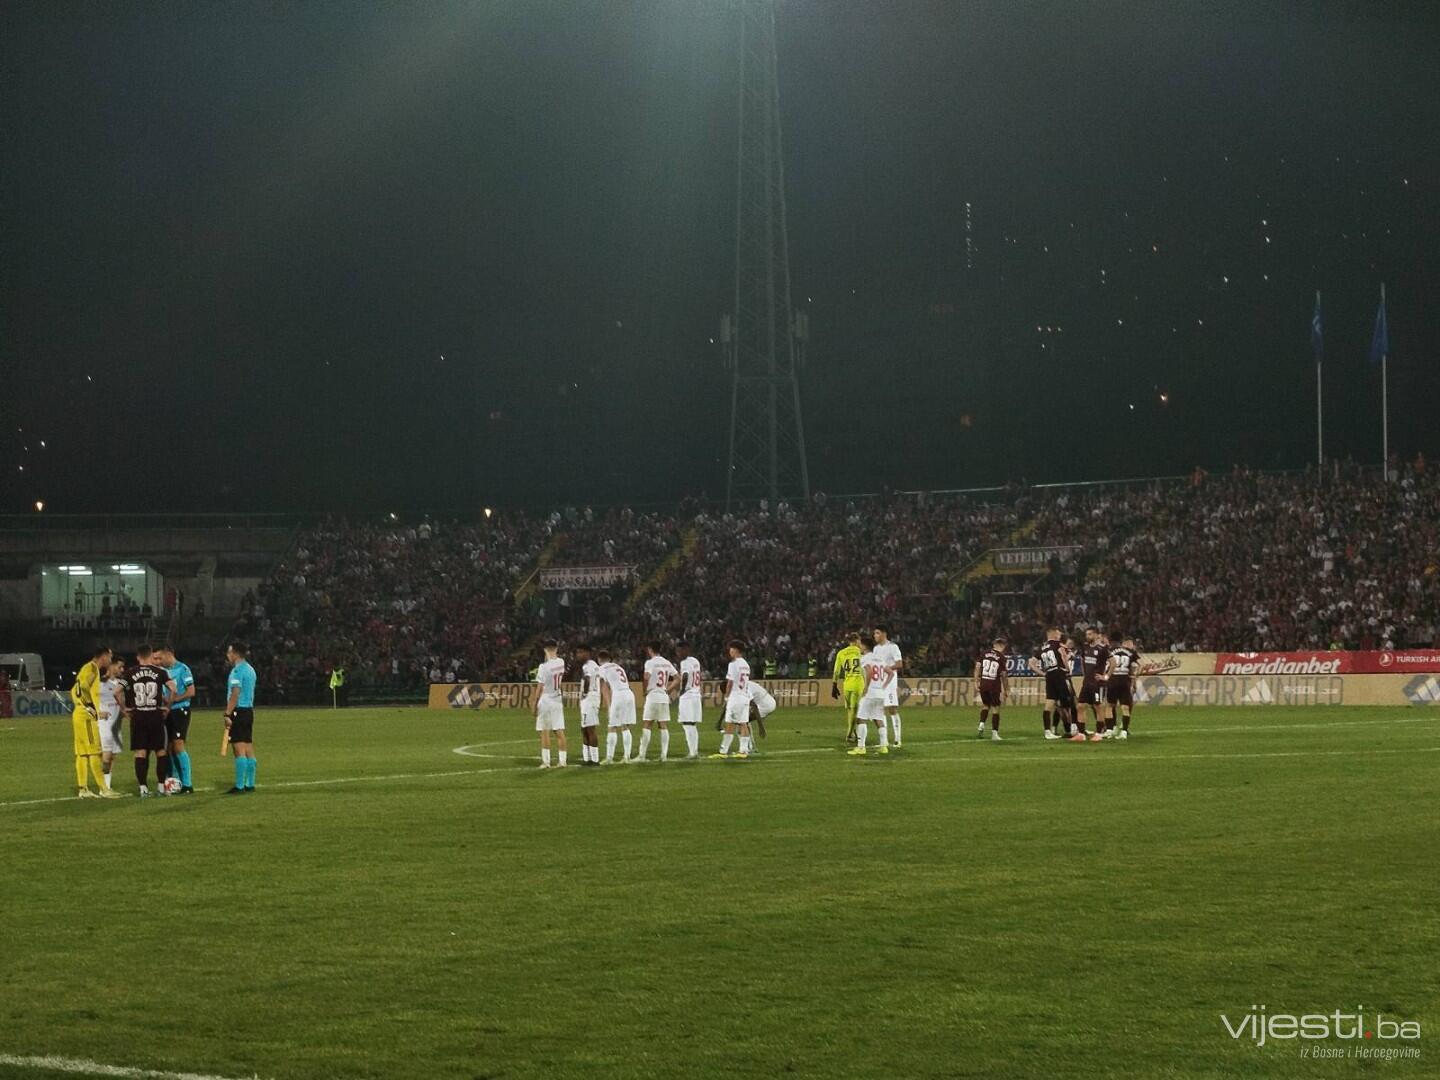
pixel 85 1067
pixel 38 802
pixel 486 745
pixel 327 780
pixel 472 749
pixel 1111 756
pixel 393 776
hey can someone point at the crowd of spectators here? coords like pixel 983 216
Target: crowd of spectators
pixel 394 605
pixel 399 606
pixel 1253 562
pixel 1244 561
pixel 788 580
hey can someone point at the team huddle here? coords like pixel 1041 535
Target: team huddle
pixel 1107 685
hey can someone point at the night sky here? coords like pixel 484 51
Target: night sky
pixel 381 257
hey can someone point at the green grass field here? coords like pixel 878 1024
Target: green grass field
pixel 386 907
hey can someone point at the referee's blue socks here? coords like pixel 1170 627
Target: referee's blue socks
pixel 250 773
pixel 182 765
pixel 240 772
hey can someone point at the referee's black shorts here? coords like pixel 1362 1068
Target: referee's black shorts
pixel 177 724
pixel 242 725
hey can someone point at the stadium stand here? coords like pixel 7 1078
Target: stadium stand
pixel 1240 562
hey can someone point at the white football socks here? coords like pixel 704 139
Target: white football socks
pixel 664 743
pixel 545 755
pixel 563 755
pixel 895 719
pixel 884 734
pixel 692 738
pixel 862 731
pixel 626 739
pixel 726 741
pixel 610 738
pixel 645 742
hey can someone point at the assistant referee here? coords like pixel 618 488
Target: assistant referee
pixel 240 717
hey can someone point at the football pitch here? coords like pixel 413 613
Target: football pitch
pixel 385 906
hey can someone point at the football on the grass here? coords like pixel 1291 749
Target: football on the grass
pixel 171 785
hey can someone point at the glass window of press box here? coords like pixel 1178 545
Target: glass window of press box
pixel 98 589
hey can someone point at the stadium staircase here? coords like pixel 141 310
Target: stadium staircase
pixel 983 566
pixel 525 651
pixel 547 555
pixel 667 567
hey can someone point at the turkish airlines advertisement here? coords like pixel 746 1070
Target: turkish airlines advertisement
pixel 1397 660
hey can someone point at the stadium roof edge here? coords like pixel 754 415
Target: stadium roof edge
pixel 410 516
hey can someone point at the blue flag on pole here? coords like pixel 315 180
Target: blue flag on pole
pixel 1380 340
pixel 1317 330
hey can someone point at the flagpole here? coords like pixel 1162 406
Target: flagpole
pixel 1385 394
pixel 1319 409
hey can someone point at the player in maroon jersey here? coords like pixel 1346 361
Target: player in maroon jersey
pixel 1052 663
pixel 1124 667
pixel 1072 706
pixel 1107 708
pixel 146 701
pixel 1094 658
pixel 993 681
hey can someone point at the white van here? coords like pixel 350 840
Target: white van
pixel 25 670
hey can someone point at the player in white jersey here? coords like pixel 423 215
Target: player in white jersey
pixel 619 702
pixel 762 704
pixel 690 701
pixel 762 700
pixel 660 677
pixel 112 715
pixel 550 702
pixel 589 705
pixel 871 709
pixel 888 653
pixel 737 703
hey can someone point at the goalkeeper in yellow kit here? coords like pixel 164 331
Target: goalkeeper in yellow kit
pixel 85 697
pixel 848 678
